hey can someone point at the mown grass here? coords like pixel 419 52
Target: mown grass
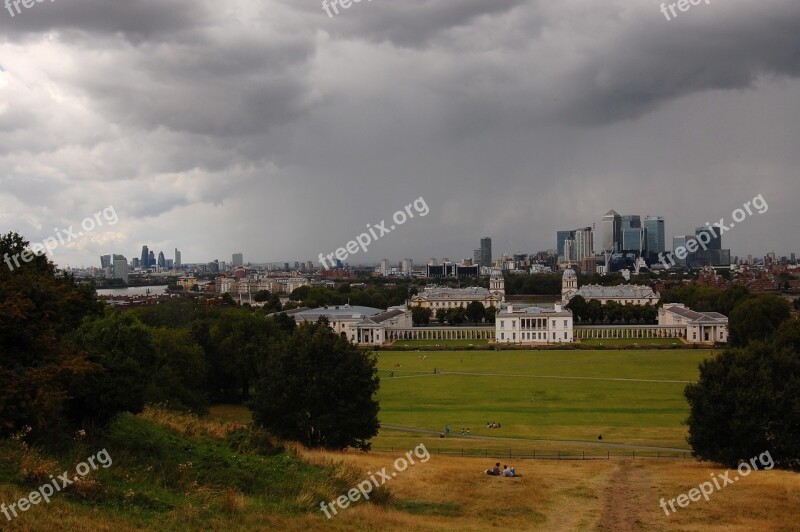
pixel 627 396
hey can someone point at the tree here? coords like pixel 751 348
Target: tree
pixel 421 315
pixel 490 315
pixel 123 347
pixel 475 312
pixel 745 403
pixel 261 296
pixel 579 308
pixel 39 366
pixel 441 315
pixel 456 316
pixel 318 389
pixel 757 318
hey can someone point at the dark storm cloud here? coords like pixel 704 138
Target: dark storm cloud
pixel 269 128
pixel 650 64
pixel 133 20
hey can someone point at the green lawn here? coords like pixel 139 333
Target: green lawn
pixel 624 395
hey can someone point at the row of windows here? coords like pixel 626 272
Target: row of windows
pixel 532 336
pixel 503 323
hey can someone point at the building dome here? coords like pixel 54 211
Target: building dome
pixel 496 274
pixel 569 272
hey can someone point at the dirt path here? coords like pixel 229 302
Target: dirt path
pixel 622 499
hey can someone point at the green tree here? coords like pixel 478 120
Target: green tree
pixel 421 315
pixel 442 315
pixel 579 308
pixel 475 312
pixel 123 346
pixel 490 315
pixel 318 389
pixel 745 403
pixel 757 318
pixel 456 316
pixel 39 367
pixel 181 374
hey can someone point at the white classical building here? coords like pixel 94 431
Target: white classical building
pixel 701 327
pixel 622 294
pixel 533 325
pixel 361 325
pixel 436 297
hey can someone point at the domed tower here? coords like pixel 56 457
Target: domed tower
pixel 569 285
pixel 497 284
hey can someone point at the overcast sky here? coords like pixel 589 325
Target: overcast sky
pixel 270 128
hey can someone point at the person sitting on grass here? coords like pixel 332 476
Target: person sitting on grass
pixel 495 471
pixel 509 472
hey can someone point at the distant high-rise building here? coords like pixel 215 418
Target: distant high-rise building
pixel 713 242
pixel 561 239
pixel 170 264
pixel 793 258
pixel 151 259
pixel 309 266
pixel 584 243
pixel 486 251
pixel 286 266
pixel 177 258
pixel 105 261
pixel 407 266
pixel 476 257
pixel 162 261
pixel 120 268
pixel 630 221
pixel 612 237
pixel 145 257
pixel 237 260
pixel 654 227
pixel 296 265
pixel 679 242
pixel 136 263
pixel 384 267
pixel 633 239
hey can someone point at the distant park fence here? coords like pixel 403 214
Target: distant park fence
pixel 498 454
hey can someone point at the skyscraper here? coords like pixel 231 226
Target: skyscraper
pixel 105 261
pixel 145 257
pixel 584 243
pixel 561 239
pixel 713 242
pixel 612 237
pixel 162 261
pixel 151 260
pixel 237 260
pixel 177 258
pixel 120 268
pixel 486 251
pixel 630 221
pixel 656 240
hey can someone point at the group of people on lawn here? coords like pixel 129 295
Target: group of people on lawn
pixel 505 472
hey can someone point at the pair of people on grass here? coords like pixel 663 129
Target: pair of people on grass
pixel 505 472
